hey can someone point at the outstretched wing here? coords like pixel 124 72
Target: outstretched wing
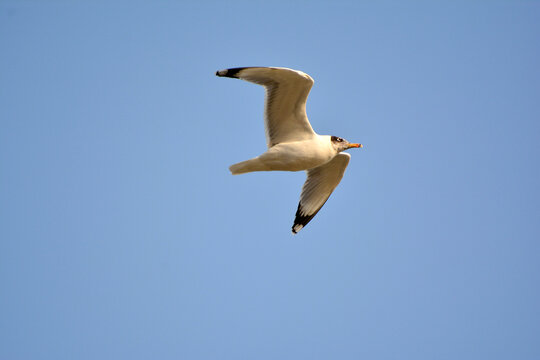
pixel 287 90
pixel 320 183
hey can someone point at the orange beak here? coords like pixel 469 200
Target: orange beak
pixel 356 146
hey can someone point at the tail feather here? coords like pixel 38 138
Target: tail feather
pixel 246 166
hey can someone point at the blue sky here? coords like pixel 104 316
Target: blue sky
pixel 125 237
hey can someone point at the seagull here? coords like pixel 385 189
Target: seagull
pixel 292 143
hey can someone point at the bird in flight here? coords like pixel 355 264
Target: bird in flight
pixel 292 143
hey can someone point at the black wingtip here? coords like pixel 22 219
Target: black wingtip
pixel 232 73
pixel 301 220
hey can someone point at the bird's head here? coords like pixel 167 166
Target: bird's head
pixel 341 144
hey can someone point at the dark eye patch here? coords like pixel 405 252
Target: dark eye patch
pixel 337 139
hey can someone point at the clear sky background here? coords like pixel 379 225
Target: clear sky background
pixel 123 235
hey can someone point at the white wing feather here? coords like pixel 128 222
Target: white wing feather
pixel 285 106
pixel 320 183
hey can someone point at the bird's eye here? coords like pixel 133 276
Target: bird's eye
pixel 339 139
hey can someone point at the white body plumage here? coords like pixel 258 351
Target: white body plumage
pixel 290 156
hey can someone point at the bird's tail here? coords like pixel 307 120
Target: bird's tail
pixel 247 166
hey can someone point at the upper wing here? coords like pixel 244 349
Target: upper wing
pixel 287 90
pixel 320 183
